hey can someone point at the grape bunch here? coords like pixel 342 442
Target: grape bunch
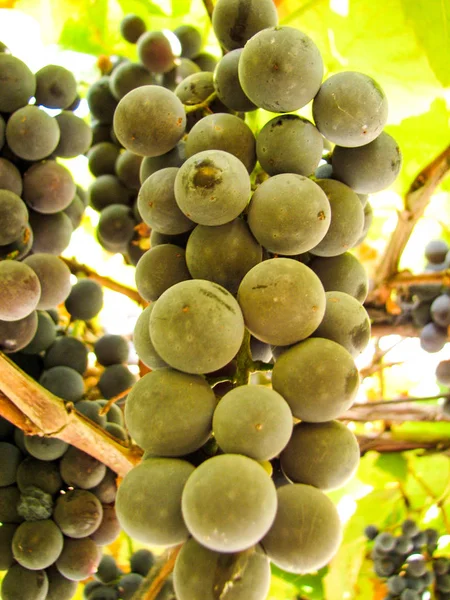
pixel 408 563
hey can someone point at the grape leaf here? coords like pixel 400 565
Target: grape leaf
pixel 181 7
pixel 394 463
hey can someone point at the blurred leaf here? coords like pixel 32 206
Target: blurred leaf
pixel 310 586
pixel 143 8
pixel 431 23
pixel 393 463
pixel 422 431
pixel 427 480
pixel 181 7
pixel 371 473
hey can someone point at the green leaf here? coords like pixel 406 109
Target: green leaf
pixel 393 463
pixel 431 24
pixel 310 585
pixel 181 7
pixel 144 8
pixel 422 432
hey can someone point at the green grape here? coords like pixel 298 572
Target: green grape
pixel 48 187
pixel 151 164
pixel 212 187
pixel 79 559
pixel 195 89
pixel 51 233
pixel 370 168
pixel 148 502
pixel 67 352
pixel 347 219
pixel 41 474
pixel 223 132
pixel 157 205
pixel 129 76
pixel 18 83
pixel 45 448
pixel 35 504
pixel 37 544
pixel 85 300
pixel 182 69
pixel 203 573
pixel 432 337
pixel 82 470
pixel 109 529
pixel 157 238
pixel 289 214
pixel 346 322
pixel 282 301
pixel 107 571
pixel 141 561
pixel 155 51
pixel 196 326
pixel 132 27
pixel 350 109
pixel 75 211
pixel 10 180
pixel 13 216
pixel 54 277
pixel 64 382
pixel 227 84
pixel 236 21
pixel 78 513
pixel 222 254
pixel 9 499
pixel 24 584
pixel 115 228
pixel 143 343
pixel 254 421
pixel 90 409
pixel 368 218
pixel 6 555
pixel 280 69
pixel 325 455
pixel 289 144
pixel 19 248
pixel 114 380
pixel 169 413
pixel 318 379
pixel 10 459
pixel 149 120
pixel 306 532
pixel 102 158
pixel 56 87
pixel 20 290
pixel 59 588
pixel 127 169
pixel 190 40
pixel 207 62
pixel 75 135
pixel 107 190
pixel 111 350
pixel 101 102
pixel 436 251
pixel 342 273
pixel 229 503
pixel 159 269
pixel 31 133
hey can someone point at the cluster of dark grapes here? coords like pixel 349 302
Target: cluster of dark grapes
pixel 111 583
pixel 57 512
pixel 407 562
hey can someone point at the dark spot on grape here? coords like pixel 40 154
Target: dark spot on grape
pixel 359 336
pixel 207 175
pixel 321 215
pixel 209 294
pixel 260 287
pixel 351 381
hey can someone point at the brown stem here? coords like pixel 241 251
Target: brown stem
pixel 403 329
pixel 154 581
pixel 209 7
pixel 415 202
pixel 45 414
pixel 105 409
pixel 76 267
pixel 405 278
pixel 384 412
pixel 385 443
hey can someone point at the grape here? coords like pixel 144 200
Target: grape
pixel 18 84
pixel 282 301
pixel 129 584
pixel 107 190
pixel 10 181
pixel 115 228
pixel 90 409
pixel 236 21
pixel 6 555
pixel 384 567
pixel 342 273
pixel 212 187
pixel 37 544
pixel 195 89
pixel 109 529
pixel 79 469
pixel 440 310
pixel 143 343
pixel 101 132
pixel 157 238
pixel 107 571
pixel 102 103
pixel 10 459
pixel 2 131
pixel 13 216
pixel 106 490
pixel 289 144
pixel 385 542
pixel 190 40
pixel 75 135
pixel 127 169
pixel 223 132
pixel 183 68
pixel 35 504
pixel 289 214
pixel 9 498
pixel 325 455
pixel 54 277
pixel 79 559
pixel 229 503
pixel 141 561
pixel 432 536
pixel 18 249
pixel 409 595
pixel 75 211
pixel 403 545
pixel 173 158
pixel 159 269
pixel 114 380
pixel 41 474
pixel 441 565
pixel 371 532
pixel 24 584
pixel 222 254
pixel 416 566
pixel 20 290
pixel 280 69
pixel 56 87
pixel 111 350
pixel 396 584
pixel 227 84
pixel 78 513
pixel 317 378
pixel 347 219
pixel 31 133
pixel 155 52
pixel 346 322
pixel 85 300
pixel 170 413
pixel 117 431
pixel 51 232
pixel 368 218
pixel 16 335
pixel 129 76
pixel 306 532
pixel 89 587
pixel 132 27
pixel 432 337
pixel 207 62
pixel 102 158
pixel 350 109
pixel 436 251
pixel 370 168
pixel 157 205
pixel 45 448
pixel 67 352
pixel 64 382
pixel 148 502
pixel 443 583
pixel 48 187
pixel 196 326
pixel 59 588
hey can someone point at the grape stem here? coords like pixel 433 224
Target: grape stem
pixel 201 105
pixel 245 365
pixel 158 574
pixel 105 409
pixel 209 7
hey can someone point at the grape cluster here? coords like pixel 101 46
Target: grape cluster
pixel 407 562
